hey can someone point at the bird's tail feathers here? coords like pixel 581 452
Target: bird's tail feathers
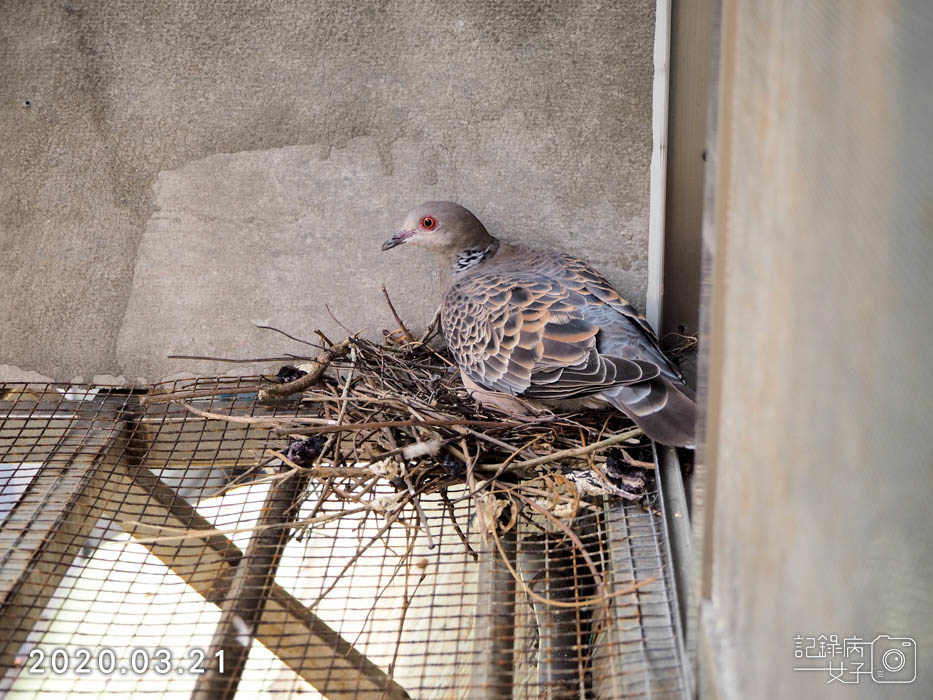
pixel 664 409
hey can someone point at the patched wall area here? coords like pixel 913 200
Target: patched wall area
pixel 176 174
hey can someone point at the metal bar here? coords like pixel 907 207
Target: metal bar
pixel 175 437
pixel 658 168
pixel 554 569
pixel 676 547
pixel 46 528
pixel 494 629
pixel 677 523
pixel 252 582
pixel 644 621
pixel 94 467
pixel 686 144
pixel 146 507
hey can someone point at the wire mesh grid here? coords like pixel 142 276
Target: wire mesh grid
pixel 105 590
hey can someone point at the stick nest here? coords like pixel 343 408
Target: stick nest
pixel 397 412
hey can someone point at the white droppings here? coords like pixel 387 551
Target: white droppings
pixel 387 468
pixel 421 449
pixel 244 635
pixel 386 503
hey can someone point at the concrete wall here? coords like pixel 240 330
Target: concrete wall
pixel 176 172
pixel 818 456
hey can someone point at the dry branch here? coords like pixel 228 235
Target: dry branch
pixel 563 454
pixel 324 358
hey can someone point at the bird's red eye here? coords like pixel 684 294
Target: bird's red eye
pixel 428 222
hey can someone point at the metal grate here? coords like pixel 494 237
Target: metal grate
pixel 99 495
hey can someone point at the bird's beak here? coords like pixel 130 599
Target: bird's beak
pixel 397 239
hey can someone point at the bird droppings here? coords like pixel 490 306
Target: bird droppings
pixel 244 635
pixel 304 452
pixel 428 448
pixel 452 466
pixel 288 373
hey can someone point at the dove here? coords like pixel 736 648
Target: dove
pixel 530 327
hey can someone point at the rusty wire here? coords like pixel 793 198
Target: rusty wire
pixel 410 485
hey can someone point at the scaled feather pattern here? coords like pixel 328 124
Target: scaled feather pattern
pixel 545 326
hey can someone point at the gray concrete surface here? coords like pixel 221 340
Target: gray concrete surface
pixel 175 172
pixel 818 458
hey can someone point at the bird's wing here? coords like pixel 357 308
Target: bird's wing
pixel 579 275
pixel 625 332
pixel 532 331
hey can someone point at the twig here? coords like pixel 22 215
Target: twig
pixel 355 427
pixel 398 319
pixel 505 465
pixel 320 472
pixel 453 519
pixel 417 503
pixel 470 462
pixel 246 420
pixel 640 463
pixel 320 334
pixel 151 399
pixel 563 454
pixel 433 327
pixel 406 603
pixel 501 443
pixel 324 358
pixel 232 360
pixel 337 321
pixel 583 603
pixel 600 584
pixel 390 520
pixel 334 440
pixel 290 337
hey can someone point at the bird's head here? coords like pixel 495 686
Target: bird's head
pixel 442 227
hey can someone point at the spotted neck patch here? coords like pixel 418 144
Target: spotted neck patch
pixel 471 257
